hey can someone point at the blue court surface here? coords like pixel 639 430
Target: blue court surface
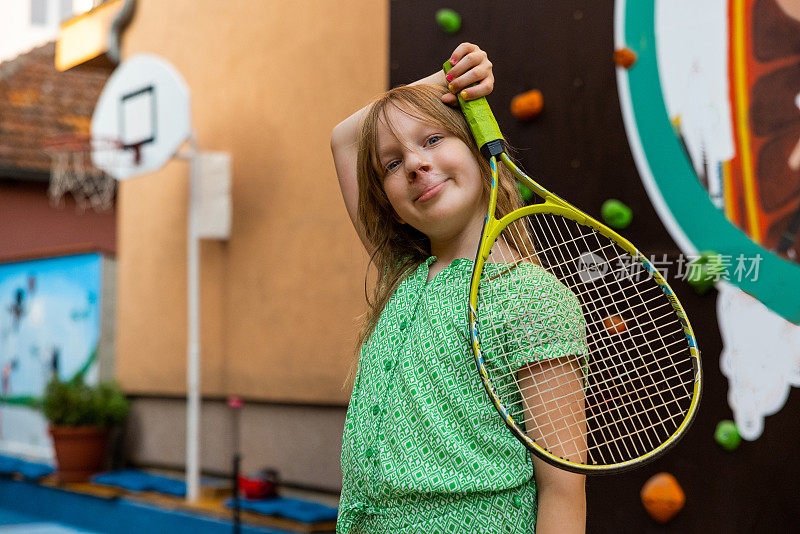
pixel 28 508
pixel 40 528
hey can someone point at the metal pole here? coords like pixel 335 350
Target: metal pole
pixel 193 348
pixel 237 505
pixel 235 403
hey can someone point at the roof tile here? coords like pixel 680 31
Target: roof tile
pixel 37 101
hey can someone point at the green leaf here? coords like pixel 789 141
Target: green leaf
pixel 74 403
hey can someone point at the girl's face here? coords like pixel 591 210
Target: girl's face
pixel 431 177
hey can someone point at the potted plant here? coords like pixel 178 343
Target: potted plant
pixel 81 417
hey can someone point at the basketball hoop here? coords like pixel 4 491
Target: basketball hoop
pixel 72 172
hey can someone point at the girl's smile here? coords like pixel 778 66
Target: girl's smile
pixel 431 191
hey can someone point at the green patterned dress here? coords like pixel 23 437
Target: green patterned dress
pixel 424 450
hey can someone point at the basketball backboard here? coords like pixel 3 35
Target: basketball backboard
pixel 144 108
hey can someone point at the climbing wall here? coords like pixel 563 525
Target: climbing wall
pixel 577 146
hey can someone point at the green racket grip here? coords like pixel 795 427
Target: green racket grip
pixel 482 122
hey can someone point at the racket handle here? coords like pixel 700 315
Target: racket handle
pixel 482 123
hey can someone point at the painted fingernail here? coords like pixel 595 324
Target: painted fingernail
pixel 464 95
pixel 449 77
pixel 450 86
pixel 453 61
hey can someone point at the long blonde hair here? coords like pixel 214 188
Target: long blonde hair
pixel 400 248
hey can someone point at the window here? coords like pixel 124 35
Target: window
pixel 64 10
pixel 38 12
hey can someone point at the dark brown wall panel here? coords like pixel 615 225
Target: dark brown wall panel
pixel 579 149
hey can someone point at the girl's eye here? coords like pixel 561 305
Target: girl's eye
pixel 392 166
pixel 433 139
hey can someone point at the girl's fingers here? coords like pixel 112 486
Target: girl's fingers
pixel 462 50
pixel 472 68
pixel 450 99
pixel 473 59
pixel 470 65
pixel 473 75
pixel 482 89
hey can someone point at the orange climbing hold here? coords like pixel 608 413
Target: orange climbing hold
pixel 662 497
pixel 527 105
pixel 624 57
pixel 615 324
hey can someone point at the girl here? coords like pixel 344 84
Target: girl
pixel 424 450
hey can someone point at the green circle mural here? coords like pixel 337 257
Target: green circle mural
pixel 709 198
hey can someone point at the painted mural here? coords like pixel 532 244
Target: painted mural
pixel 49 324
pixel 733 94
pixel 712 112
pixel 758 386
pixel 763 177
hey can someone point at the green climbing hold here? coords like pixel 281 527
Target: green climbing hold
pixel 448 20
pixel 727 435
pixel 704 271
pixel 616 214
pixel 524 192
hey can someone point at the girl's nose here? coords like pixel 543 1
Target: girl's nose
pixel 416 165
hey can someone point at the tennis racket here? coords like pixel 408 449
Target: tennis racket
pixel 615 372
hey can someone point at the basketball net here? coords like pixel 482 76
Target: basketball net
pixel 73 173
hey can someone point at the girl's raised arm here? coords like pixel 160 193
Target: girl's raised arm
pixel 471 65
pixel 344 146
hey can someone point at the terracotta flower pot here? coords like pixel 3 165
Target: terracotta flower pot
pixel 80 451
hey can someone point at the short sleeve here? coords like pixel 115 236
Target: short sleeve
pixel 543 321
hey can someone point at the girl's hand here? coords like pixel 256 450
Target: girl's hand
pixel 470 65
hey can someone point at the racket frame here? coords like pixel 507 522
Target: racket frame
pixel 553 204
pixel 490 141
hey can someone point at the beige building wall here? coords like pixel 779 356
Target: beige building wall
pixel 302 442
pixel 280 298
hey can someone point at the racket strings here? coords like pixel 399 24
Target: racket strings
pixel 647 282
pixel 603 388
pixel 592 341
pixel 664 305
pixel 616 280
pixel 562 398
pixel 636 380
pixel 597 392
pixel 571 420
pixel 646 304
pixel 654 325
pixel 596 395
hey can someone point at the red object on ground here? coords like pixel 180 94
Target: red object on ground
pixel 257 488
